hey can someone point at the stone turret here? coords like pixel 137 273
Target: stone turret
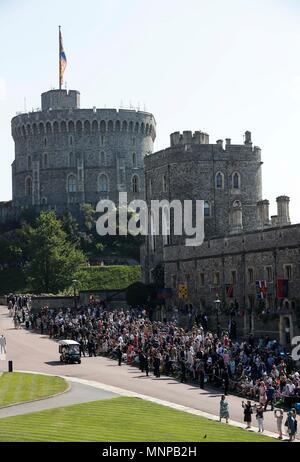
pixel 60 99
pixel 283 213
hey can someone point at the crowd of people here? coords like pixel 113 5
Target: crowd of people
pixel 257 369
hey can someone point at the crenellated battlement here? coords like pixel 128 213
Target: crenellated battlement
pixel 188 137
pixel 83 121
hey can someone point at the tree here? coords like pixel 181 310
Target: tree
pixel 53 258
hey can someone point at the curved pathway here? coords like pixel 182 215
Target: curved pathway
pixel 78 393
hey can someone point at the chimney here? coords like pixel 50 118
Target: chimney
pixel 220 143
pixel 283 212
pixel 263 213
pixel 248 138
pixel 228 141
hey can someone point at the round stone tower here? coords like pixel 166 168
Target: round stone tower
pixel 65 156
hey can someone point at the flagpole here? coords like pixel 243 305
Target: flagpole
pixel 59 66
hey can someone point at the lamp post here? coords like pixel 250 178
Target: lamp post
pixel 74 282
pixel 217 303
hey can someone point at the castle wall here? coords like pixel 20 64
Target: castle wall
pixel 257 251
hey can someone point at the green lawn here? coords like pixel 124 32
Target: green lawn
pixel 119 419
pixel 16 387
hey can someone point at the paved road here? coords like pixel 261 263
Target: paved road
pixel 78 393
pixel 34 352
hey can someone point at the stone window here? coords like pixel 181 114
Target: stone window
pixel 207 212
pixel 250 275
pixel 72 184
pixel 44 201
pixel 288 272
pixel 103 183
pixel 219 180
pixel 164 181
pixel 71 140
pixel 233 277
pixel 45 160
pixel 269 273
pixel 236 180
pixel 201 279
pixel 102 158
pixel 134 159
pixel 45 141
pixel 28 186
pixel 29 163
pixel 102 140
pixel 216 278
pixel 133 141
pixel 135 184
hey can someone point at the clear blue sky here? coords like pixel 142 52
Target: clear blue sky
pixel 223 67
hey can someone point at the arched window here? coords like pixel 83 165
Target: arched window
pixel 135 184
pixel 102 158
pixel 29 163
pixel 236 180
pixel 45 160
pixel 219 180
pixel 71 184
pixel 103 183
pixel 28 186
pixel 206 209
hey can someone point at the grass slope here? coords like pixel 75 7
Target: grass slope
pixel 108 277
pixel 119 419
pixel 16 387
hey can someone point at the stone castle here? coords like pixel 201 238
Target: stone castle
pixel 66 156
pixel 242 243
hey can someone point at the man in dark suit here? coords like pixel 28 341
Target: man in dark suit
pixel 119 355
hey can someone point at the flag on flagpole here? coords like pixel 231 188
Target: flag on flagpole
pixel 261 289
pixel 229 290
pixel 282 288
pixel 62 60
